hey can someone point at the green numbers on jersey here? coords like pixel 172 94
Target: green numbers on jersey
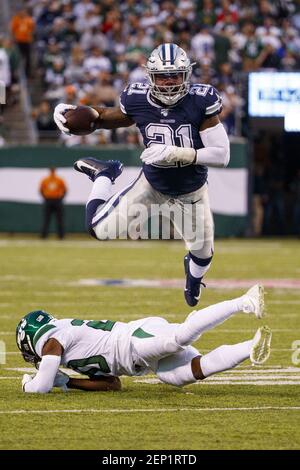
pixel 85 366
pixel 97 325
pixel 91 365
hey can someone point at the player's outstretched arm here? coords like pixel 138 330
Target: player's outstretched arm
pixel 112 118
pixel 103 384
pixel 44 380
pixel 86 119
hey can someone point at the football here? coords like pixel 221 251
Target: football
pixel 82 120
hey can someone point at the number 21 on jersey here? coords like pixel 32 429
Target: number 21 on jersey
pixel 164 134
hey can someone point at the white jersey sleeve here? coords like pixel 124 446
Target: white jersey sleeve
pixel 60 330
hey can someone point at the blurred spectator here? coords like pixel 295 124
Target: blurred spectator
pixel 232 103
pixel 92 38
pixel 22 27
pixel 13 54
pixel 252 52
pixel 97 62
pixel 228 13
pixel 222 47
pixel 206 14
pixel 9 68
pixel 43 116
pixel 104 91
pixel 5 70
pixel 203 46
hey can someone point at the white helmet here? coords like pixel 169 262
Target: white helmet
pixel 169 60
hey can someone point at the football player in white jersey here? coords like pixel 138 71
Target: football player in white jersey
pixel 183 136
pixel 105 350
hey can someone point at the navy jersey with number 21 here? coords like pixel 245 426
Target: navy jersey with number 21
pixel 177 125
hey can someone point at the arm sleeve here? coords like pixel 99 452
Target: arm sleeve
pixel 216 151
pixel 44 379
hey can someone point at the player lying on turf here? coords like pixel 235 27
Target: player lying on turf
pixel 183 136
pixel 105 350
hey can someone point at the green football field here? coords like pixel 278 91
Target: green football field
pixel 247 408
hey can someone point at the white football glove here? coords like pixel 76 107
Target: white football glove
pixel 167 153
pixel 59 117
pixel 61 380
pixel 26 378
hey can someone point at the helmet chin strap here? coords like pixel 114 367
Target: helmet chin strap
pixel 169 99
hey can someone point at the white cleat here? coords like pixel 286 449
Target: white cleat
pixel 253 301
pixel 261 346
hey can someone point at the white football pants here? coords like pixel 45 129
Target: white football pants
pixel 126 213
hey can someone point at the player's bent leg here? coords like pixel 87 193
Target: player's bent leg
pixel 229 356
pixel 116 218
pixel 90 211
pixel 201 245
pixel 103 174
pixel 224 357
pixel 177 369
pixel 103 210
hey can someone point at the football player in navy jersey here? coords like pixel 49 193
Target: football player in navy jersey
pixel 183 136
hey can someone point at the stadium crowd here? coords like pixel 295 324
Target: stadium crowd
pixel 9 76
pixel 87 51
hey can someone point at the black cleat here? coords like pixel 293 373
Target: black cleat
pixel 94 168
pixel 192 291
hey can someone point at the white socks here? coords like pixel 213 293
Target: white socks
pixel 225 357
pixel 206 319
pixel 196 270
pixel 102 189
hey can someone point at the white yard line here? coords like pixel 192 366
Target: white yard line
pixel 246 382
pixel 248 330
pixel 240 371
pixel 258 370
pixel 225 381
pixel 256 377
pixel 11 378
pixel 155 410
pixel 79 244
